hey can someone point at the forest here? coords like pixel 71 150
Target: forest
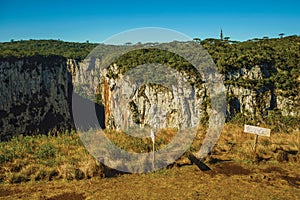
pixel 229 55
pixel 281 54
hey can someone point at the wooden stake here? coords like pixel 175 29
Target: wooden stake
pixel 298 140
pixel 255 143
pixel 153 142
pixel 153 159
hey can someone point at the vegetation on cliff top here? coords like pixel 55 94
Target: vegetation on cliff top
pixel 282 53
pixel 281 56
pixel 22 48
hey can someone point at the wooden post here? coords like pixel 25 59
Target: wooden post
pixel 255 143
pixel 152 134
pixel 153 159
pixel 298 136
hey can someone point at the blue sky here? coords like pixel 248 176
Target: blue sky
pixel 97 20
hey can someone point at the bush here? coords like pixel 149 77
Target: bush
pixel 46 151
pixel 280 123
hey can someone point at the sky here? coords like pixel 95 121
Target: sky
pixel 97 20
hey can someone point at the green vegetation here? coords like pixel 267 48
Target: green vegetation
pixel 274 121
pixel 62 156
pixel 46 47
pixel 280 56
pixel 145 56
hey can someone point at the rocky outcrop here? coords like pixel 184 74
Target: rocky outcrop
pixel 289 106
pixel 129 103
pixel 250 94
pixel 35 95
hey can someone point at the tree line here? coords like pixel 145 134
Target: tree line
pixel 282 54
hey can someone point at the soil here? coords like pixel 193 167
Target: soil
pixel 64 196
pixel 225 180
pixel 230 169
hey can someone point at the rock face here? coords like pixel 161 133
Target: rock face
pixel 247 93
pixel 35 95
pixel 128 103
pixel 245 98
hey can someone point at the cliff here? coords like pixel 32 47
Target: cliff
pixel 248 92
pixel 36 96
pixel 174 103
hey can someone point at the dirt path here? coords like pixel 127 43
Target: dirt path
pixel 226 180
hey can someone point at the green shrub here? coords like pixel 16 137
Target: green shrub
pixel 46 151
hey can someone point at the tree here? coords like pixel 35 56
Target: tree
pixel 221 35
pixel 197 40
pixel 281 35
pixel 226 38
pixel 255 40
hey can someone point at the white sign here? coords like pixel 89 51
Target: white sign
pixel 257 130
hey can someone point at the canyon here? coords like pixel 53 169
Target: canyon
pixel 36 97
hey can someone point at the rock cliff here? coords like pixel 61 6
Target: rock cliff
pixel 172 103
pixel 250 92
pixel 36 96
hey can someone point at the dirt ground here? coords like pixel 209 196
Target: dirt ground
pixel 226 180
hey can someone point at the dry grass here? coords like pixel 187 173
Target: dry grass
pixel 236 145
pixel 35 158
pixel 141 145
pixel 268 181
pixel 46 158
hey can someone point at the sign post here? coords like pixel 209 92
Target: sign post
pixel 153 142
pixel 258 131
pixel 255 143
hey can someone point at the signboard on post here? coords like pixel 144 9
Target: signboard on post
pixel 257 130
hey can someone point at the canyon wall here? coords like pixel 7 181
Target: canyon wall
pixel 36 96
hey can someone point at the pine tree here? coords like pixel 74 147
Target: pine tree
pixel 221 35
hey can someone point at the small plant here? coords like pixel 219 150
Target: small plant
pixel 6 154
pixel 46 151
